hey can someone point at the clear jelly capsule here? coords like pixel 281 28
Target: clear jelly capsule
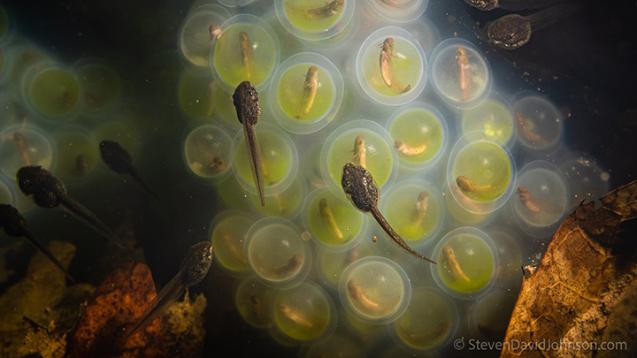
pixel 375 289
pixel 277 252
pixel 304 313
pixel 467 263
pixel 460 75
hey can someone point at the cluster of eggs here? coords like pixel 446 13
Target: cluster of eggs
pixel 54 114
pixel 473 178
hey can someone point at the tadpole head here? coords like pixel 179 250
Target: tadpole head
pixel 46 189
pixel 13 222
pixel 115 157
pixel 358 184
pixel 196 264
pixel 509 32
pixel 246 103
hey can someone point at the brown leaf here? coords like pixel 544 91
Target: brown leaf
pixel 580 296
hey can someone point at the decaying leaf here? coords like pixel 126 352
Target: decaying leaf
pixel 118 303
pixel 582 299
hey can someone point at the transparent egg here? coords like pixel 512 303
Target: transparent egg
pixel 466 262
pixel 414 208
pixel 207 151
pixel 542 196
pixel 361 142
pixel 332 221
pixel 315 20
pixel 460 74
pixel 429 321
pixel 492 119
pixel 22 146
pixel 12 112
pixel 246 51
pixel 375 289
pixel 391 67
pixel 308 92
pixel 228 237
pixel 330 263
pixel 304 313
pixel 53 91
pixel 480 174
pixel 254 300
pixel 419 135
pixel 198 31
pixel 287 203
pixel 277 252
pixel 539 123
pixel 279 160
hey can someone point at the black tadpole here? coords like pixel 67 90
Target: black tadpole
pixel 193 269
pixel 15 225
pixel 358 184
pixel 246 103
pixel 120 161
pixel 49 192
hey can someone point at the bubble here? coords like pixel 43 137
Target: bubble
pixel 197 33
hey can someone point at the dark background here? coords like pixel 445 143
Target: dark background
pixel 586 63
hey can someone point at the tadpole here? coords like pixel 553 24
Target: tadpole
pixel 120 161
pixel 15 225
pixel 358 184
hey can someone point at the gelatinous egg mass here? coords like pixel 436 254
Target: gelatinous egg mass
pixel 54 92
pixel 303 313
pixel 542 197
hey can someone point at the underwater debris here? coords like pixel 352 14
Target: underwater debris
pixel 120 301
pixel 585 288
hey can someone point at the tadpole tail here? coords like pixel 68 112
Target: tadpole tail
pixel 46 252
pixel 133 173
pixel 255 159
pixel 83 214
pixel 552 15
pixel 380 219
pixel 168 294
